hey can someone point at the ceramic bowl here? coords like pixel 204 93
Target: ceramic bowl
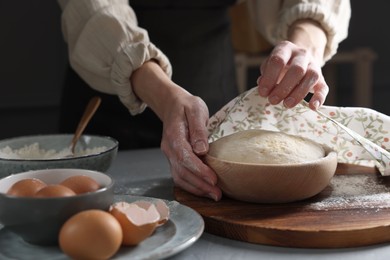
pixel 38 220
pixel 36 152
pixel 273 183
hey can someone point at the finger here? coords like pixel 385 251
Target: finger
pixel 273 69
pixel 294 75
pixel 181 157
pixel 193 175
pixel 197 117
pixel 306 85
pixel 198 187
pixel 188 171
pixel 320 91
pixel 262 68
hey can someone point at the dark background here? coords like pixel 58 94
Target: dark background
pixel 33 61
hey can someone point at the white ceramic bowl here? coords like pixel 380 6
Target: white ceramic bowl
pixel 102 150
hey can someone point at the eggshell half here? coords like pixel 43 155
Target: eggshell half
pixel 138 219
pixel 161 207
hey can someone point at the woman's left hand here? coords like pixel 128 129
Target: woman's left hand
pixel 293 69
pixel 289 74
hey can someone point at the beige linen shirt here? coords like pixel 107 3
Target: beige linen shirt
pixel 106 44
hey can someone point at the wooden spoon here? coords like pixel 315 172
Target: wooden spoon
pixel 88 113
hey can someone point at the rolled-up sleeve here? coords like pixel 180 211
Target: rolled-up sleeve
pixel 106 45
pixel 273 19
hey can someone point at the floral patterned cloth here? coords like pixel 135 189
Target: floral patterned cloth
pixel 251 111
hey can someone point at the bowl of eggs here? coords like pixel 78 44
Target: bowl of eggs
pixel 36 152
pixel 270 167
pixel 35 204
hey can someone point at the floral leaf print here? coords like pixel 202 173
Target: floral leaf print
pixel 251 111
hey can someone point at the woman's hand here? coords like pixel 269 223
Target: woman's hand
pixel 293 69
pixel 185 136
pixel 185 141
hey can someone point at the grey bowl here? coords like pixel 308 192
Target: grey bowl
pixel 100 161
pixel 38 220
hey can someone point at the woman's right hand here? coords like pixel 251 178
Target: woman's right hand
pixel 185 135
pixel 185 141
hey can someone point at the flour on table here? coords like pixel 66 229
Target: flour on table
pixel 354 192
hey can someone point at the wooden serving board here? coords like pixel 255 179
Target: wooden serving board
pixel 354 210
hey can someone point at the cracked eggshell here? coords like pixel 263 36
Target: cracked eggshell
pixel 138 220
pixel 161 207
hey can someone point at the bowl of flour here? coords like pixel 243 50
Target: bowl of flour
pixel 36 152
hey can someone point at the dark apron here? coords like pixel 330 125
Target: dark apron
pixel 195 36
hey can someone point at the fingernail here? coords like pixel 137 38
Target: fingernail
pixel 316 104
pixel 213 196
pixel 289 102
pixel 258 80
pixel 209 181
pixel 274 100
pixel 200 147
pixel 263 91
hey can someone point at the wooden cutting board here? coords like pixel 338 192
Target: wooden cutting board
pixel 354 210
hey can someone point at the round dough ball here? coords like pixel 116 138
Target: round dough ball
pixel 265 147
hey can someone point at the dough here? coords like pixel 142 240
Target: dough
pixel 265 147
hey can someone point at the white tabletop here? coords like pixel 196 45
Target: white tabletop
pixel 146 173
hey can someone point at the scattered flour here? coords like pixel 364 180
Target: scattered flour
pixel 34 151
pixel 354 192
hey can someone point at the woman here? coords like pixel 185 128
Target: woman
pixel 111 52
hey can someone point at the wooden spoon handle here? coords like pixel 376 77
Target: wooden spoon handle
pixel 90 110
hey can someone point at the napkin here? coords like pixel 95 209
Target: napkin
pixel 372 128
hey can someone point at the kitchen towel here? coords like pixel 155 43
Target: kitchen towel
pixel 251 111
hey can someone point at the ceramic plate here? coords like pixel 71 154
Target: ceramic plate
pixel 184 227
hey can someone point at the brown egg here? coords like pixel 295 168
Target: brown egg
pixel 54 190
pixel 81 184
pixel 138 220
pixel 90 234
pixel 26 187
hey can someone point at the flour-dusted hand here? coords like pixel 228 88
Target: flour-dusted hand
pixel 185 136
pixel 184 142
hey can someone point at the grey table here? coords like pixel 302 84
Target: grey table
pixel 146 173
